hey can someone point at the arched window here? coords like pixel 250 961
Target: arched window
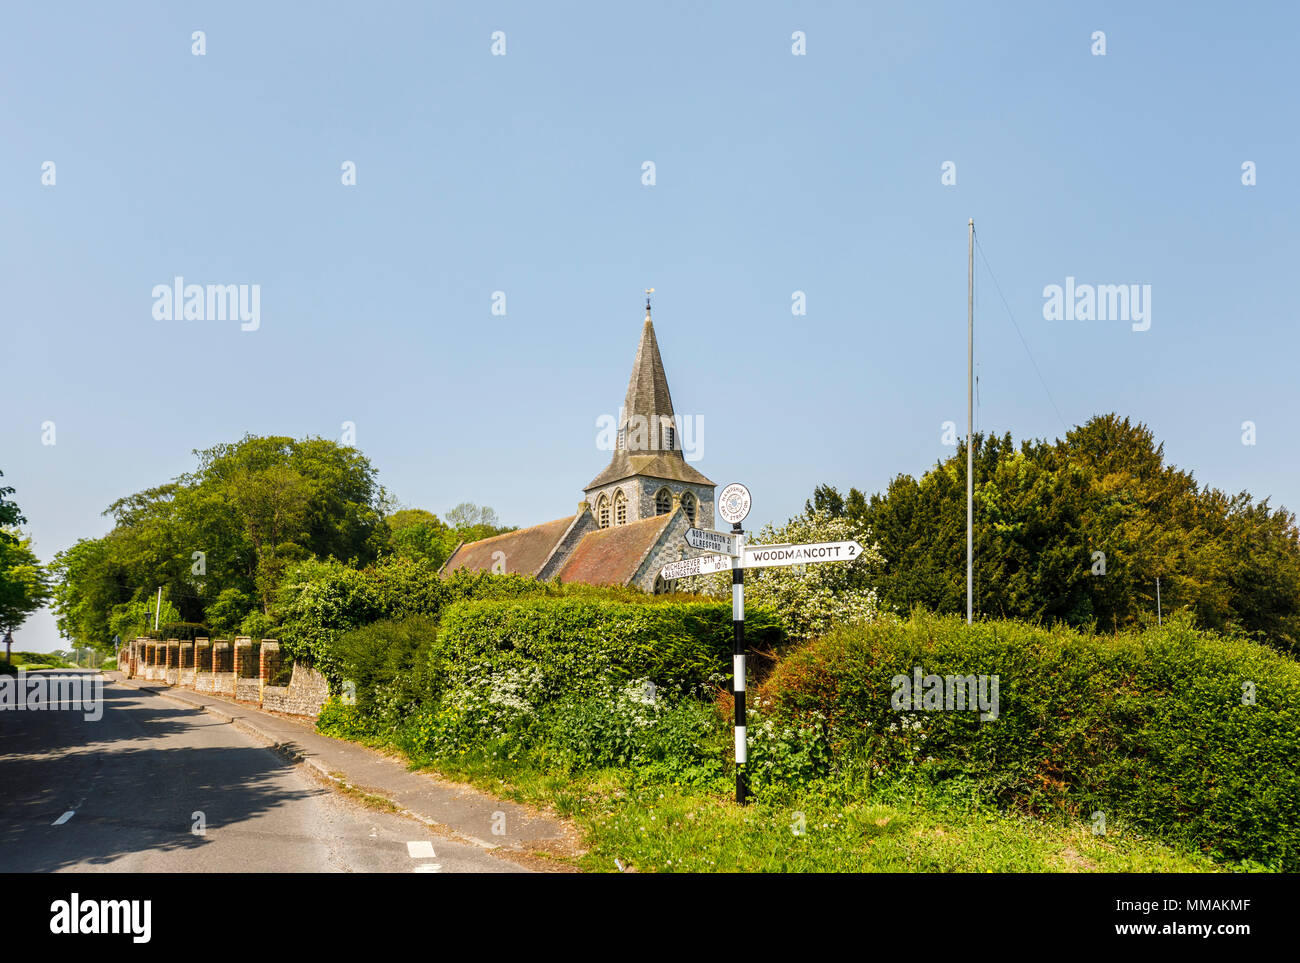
pixel 661 585
pixel 688 504
pixel 670 438
pixel 663 502
pixel 620 508
pixel 602 512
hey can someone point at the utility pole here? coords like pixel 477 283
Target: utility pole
pixel 970 422
pixel 157 609
pixel 1159 619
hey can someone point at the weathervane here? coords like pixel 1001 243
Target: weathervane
pixel 648 292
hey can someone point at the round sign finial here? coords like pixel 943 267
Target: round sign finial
pixel 733 503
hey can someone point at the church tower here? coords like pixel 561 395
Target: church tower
pixel 648 475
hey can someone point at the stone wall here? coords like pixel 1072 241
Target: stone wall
pixel 223 684
pixel 308 691
pixel 642 493
pixel 671 547
pixel 192 664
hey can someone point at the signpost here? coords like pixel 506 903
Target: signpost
pixel 731 552
pixel 764 556
pixel 697 566
pixel 710 541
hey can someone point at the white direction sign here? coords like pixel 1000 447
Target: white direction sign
pixel 762 556
pixel 705 565
pixel 707 540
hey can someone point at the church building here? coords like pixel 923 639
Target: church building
pixel 633 517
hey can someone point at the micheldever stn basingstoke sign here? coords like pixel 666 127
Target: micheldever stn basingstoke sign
pixel 730 552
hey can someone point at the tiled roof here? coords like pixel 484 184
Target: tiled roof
pixel 665 464
pixel 611 556
pixel 525 549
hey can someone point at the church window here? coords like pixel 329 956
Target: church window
pixel 602 512
pixel 663 502
pixel 670 438
pixel 620 509
pixel 688 503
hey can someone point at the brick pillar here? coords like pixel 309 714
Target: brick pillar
pixel 268 661
pixel 244 667
pixel 268 665
pixel 202 655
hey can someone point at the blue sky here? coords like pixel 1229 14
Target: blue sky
pixel 522 173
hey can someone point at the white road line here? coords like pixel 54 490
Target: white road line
pixel 417 849
pixel 427 868
pixel 64 818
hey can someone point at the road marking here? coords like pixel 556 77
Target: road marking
pixel 64 818
pixel 427 868
pixel 416 849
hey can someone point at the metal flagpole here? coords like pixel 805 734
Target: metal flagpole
pixel 970 418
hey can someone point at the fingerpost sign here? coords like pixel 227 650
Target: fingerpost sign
pixel 732 552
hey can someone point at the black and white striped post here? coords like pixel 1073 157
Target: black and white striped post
pixel 738 660
pixel 733 506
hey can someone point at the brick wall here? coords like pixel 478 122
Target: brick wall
pixel 210 666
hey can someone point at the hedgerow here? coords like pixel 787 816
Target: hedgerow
pixel 1191 735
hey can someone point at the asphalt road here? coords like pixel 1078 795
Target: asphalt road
pixel 124 794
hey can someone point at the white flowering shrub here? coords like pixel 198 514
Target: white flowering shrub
pixel 807 599
pixel 785 754
pixel 661 735
pixel 495 710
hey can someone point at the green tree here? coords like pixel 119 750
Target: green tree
pixel 24 581
pixel 222 536
pixel 1078 531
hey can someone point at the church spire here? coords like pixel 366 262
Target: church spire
pixel 648 446
pixel 648 406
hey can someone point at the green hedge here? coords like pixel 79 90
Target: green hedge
pixel 1150 727
pixel 319 601
pixel 577 641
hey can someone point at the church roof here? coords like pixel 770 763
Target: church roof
pixel 612 556
pixel 526 549
pixel 669 465
pixel 649 404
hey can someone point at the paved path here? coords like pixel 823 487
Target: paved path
pixel 124 794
